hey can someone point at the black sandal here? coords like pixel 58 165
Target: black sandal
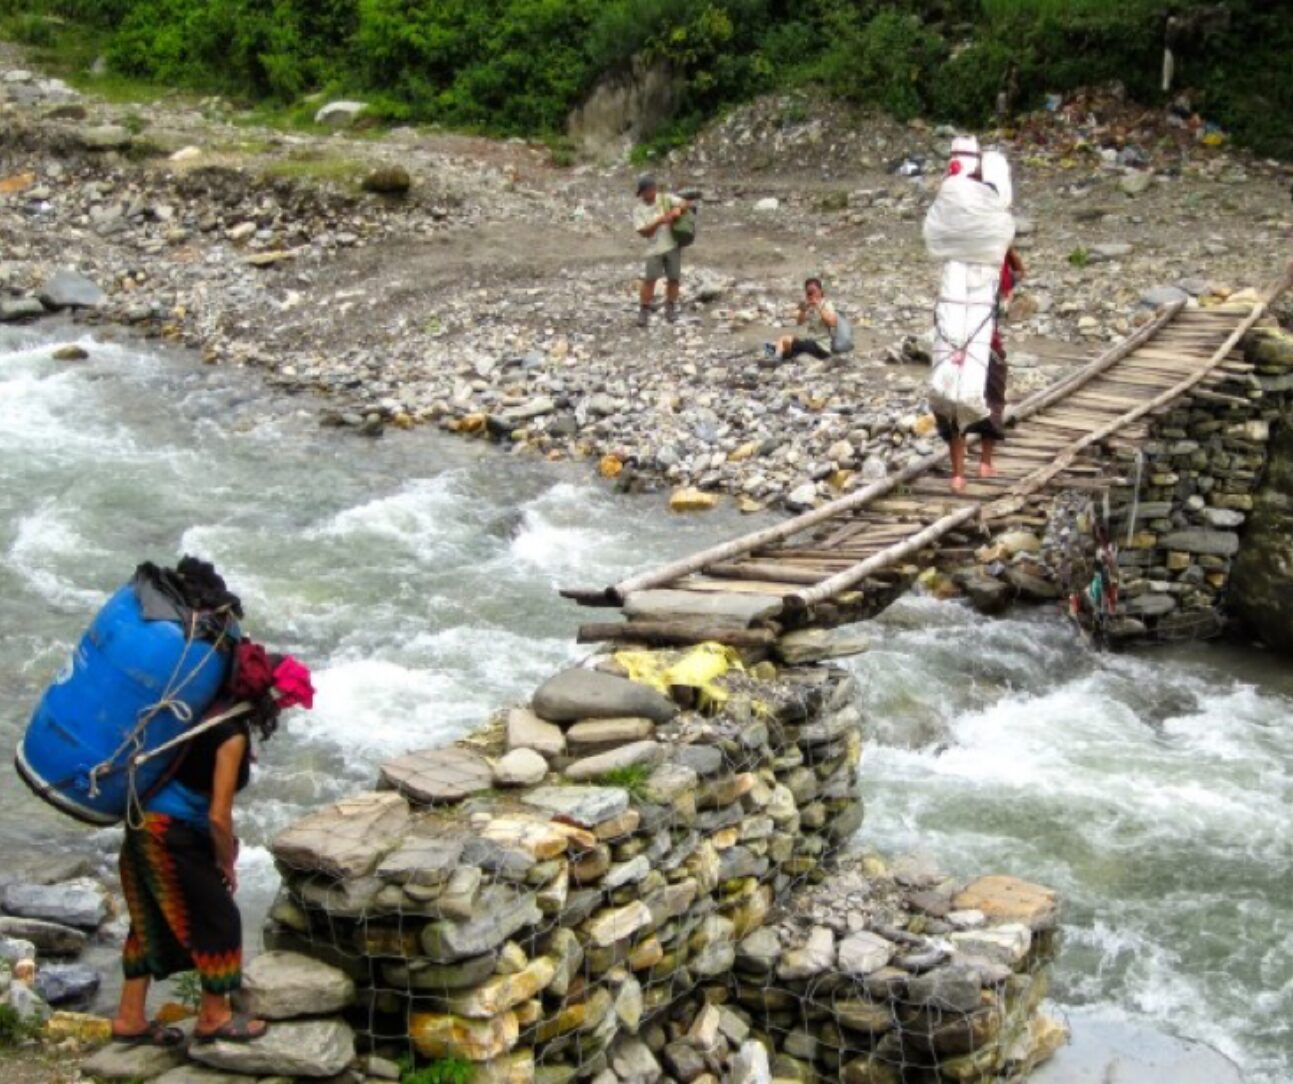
pixel 156 1034
pixel 234 1030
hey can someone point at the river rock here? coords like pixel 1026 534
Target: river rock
pixel 581 805
pixel 1135 184
pixel 447 1035
pixel 49 938
pixel 1163 295
pixel 82 903
pixel 590 694
pixel 525 730
pixel 952 989
pixel 307 1048
pixel 346 839
pixel 22 308
pixel 1008 899
pixel 501 911
pixel 520 768
pixel 1199 540
pixel 68 289
pixel 58 984
pixel 198 1074
pixel 104 137
pixel 814 645
pixel 750 1065
pixel 116 1061
pixel 283 985
pixel 433 776
pixel 644 754
pixel 13 949
pixel 340 114
pixel 816 955
pixel 596 734
pixel 388 181
pixel 863 952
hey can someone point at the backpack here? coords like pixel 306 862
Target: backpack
pixel 841 334
pixel 683 231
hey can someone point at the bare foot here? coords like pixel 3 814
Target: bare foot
pixel 958 483
pixel 987 470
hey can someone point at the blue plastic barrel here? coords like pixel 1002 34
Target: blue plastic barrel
pixel 123 667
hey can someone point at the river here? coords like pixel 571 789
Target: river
pixel 416 574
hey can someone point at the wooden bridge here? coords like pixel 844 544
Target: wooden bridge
pixel 849 559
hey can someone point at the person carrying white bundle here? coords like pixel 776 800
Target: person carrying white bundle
pixel 970 228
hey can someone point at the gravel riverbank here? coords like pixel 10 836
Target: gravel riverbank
pixel 495 297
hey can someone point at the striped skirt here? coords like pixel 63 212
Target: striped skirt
pixel 182 915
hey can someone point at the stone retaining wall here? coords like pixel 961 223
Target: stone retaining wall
pixel 1179 513
pixel 586 890
pixel 1199 475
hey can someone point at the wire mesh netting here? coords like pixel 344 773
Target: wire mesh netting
pixel 668 895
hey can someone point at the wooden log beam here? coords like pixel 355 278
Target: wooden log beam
pixel 667 633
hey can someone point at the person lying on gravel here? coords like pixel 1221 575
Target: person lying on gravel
pixel 653 218
pixel 829 332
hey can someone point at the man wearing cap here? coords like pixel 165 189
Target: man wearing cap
pixel 655 213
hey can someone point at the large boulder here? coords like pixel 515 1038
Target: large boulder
pixel 314 1048
pixel 68 289
pixel 590 694
pixel 1261 585
pixel 82 903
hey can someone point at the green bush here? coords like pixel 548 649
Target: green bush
pixel 520 66
pixel 964 88
pixel 886 61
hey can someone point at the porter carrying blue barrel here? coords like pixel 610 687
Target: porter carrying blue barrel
pixel 149 666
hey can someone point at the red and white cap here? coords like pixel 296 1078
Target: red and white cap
pixel 965 156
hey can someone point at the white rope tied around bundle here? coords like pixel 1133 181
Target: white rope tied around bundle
pixel 132 745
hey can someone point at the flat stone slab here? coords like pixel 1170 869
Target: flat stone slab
pixel 584 806
pixel 68 289
pixel 1199 540
pixel 501 911
pixel 1008 899
pixel 428 861
pixel 724 608
pixel 604 732
pixel 81 903
pixel 645 754
pixel 285 985
pixel 50 938
pixel 346 839
pixel 119 1062
pixel 436 776
pixel 578 694
pixel 1103 1050
pixel 314 1048
pixel 813 645
pixel 198 1074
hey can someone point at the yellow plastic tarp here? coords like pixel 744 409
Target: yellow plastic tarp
pixel 697 667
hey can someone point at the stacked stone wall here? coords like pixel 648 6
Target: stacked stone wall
pixel 1181 532
pixel 601 887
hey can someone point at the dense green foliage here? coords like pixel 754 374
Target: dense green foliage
pixel 519 66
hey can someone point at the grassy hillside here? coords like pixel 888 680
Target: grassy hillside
pixel 518 66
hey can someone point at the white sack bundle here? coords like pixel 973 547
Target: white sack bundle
pixel 969 222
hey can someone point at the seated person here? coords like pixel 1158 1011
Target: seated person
pixel 829 332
